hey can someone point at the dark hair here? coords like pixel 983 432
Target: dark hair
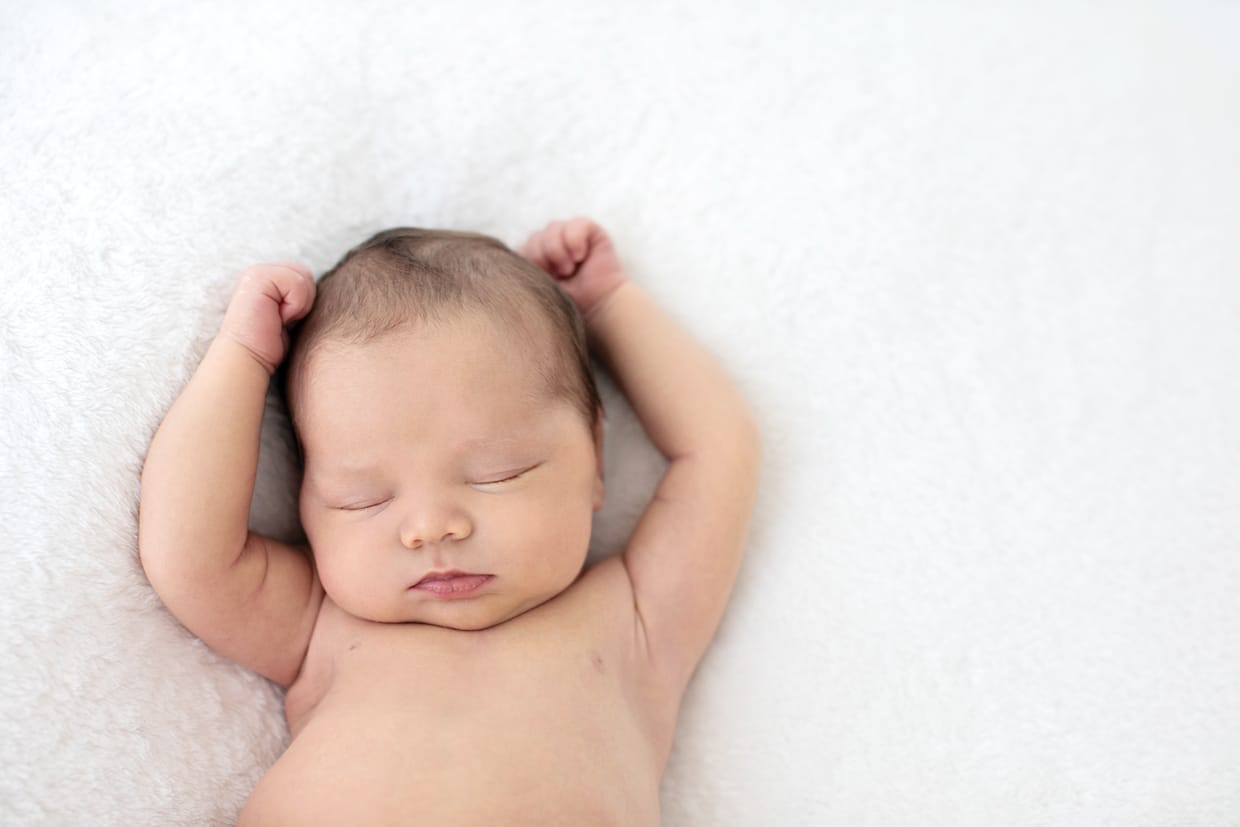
pixel 407 275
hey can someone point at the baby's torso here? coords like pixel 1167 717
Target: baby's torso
pixel 551 718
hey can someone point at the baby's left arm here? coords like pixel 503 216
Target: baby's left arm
pixel 686 550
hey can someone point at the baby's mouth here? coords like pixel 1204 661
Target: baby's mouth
pixel 450 583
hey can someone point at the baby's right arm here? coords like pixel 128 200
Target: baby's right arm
pixel 249 597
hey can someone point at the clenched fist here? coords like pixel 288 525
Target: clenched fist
pixel 579 255
pixel 267 298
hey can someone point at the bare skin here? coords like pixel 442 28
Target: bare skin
pixel 546 694
pixel 551 718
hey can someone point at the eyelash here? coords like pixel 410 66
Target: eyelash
pixel 505 479
pixel 488 482
pixel 358 507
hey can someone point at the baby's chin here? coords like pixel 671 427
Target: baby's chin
pixel 462 616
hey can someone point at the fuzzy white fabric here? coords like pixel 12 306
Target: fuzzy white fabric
pixel 976 266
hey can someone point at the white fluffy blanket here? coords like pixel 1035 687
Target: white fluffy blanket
pixel 977 267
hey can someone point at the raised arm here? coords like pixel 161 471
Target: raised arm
pixel 686 549
pixel 249 597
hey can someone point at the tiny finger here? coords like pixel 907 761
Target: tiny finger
pixel 575 237
pixel 296 267
pixel 537 254
pixel 556 251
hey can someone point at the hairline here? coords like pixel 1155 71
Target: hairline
pixel 552 366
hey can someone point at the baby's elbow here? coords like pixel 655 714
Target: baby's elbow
pixel 745 440
pixel 749 436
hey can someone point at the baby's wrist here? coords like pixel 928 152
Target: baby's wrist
pixel 602 299
pixel 241 352
pixel 598 307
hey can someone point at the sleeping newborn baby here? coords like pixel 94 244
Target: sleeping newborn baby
pixel 449 659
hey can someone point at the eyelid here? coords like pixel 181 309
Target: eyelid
pixel 358 507
pixel 510 477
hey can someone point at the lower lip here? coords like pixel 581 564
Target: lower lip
pixel 451 587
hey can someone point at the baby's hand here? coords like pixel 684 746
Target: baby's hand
pixel 579 255
pixel 265 299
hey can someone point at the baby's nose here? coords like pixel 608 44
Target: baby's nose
pixel 428 523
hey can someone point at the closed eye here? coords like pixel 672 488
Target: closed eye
pixel 360 507
pixel 508 478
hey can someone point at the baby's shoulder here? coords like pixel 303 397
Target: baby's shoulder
pixel 606 603
pixel 599 606
pixel 315 677
pixel 604 588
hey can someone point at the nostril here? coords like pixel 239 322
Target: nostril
pixel 423 531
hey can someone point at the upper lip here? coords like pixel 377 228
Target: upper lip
pixel 445 575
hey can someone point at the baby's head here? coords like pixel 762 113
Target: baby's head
pixel 446 414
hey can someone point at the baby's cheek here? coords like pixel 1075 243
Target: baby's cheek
pixel 324 526
pixel 566 526
pixel 329 545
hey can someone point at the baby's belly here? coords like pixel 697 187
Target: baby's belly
pixel 467 741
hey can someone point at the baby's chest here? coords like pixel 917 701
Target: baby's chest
pixel 433 674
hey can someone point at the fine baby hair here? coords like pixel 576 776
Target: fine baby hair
pixel 412 276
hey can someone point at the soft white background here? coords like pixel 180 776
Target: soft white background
pixel 976 265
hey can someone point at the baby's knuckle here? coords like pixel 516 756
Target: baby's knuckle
pixel 261 271
pixel 249 279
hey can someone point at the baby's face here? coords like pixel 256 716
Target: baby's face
pixel 437 449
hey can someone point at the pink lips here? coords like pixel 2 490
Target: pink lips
pixel 451 583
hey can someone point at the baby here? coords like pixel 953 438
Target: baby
pixel 449 659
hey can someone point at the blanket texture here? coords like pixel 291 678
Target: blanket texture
pixel 975 265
